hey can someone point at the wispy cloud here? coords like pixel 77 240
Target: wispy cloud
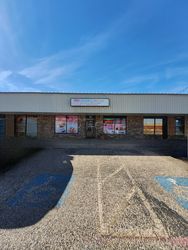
pixel 177 87
pixel 5 74
pixel 57 68
pixel 165 65
pixel 142 79
pixel 9 86
pixel 63 69
pixel 65 63
pixel 180 57
pixel 8 82
pixel 144 82
pixel 9 45
pixel 176 72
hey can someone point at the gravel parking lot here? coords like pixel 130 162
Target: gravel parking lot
pixel 72 199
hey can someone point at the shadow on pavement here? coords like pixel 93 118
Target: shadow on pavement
pixel 176 149
pixel 30 190
pixel 121 146
pixel 36 185
pixel 173 223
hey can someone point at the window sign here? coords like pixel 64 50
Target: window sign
pixel 72 124
pixel 60 125
pixel 114 125
pixel 120 126
pixel 108 126
pixel 66 124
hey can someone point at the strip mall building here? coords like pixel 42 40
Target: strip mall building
pixel 93 115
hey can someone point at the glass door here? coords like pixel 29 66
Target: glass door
pixel 90 126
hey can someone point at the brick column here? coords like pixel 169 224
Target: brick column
pixel 9 123
pixel 186 125
pixel 135 125
pixel 171 126
pixel 46 125
pixel 81 128
pixel 99 126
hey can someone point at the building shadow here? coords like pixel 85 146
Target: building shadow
pixel 173 148
pixel 122 146
pixel 31 189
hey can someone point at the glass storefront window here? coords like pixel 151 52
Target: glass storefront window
pixel 66 124
pixel 114 125
pixel 2 126
pixel 158 126
pixel 153 126
pixel 72 124
pixel 108 126
pixel 149 126
pixel 20 125
pixel 60 125
pixel 120 126
pixel 180 126
pixel 26 125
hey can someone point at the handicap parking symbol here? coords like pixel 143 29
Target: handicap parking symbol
pixel 177 186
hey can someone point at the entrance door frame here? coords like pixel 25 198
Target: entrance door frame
pixel 92 119
pixel 165 127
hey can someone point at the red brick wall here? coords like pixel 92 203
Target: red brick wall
pixel 186 125
pixel 46 125
pixel 171 126
pixel 9 125
pixel 135 125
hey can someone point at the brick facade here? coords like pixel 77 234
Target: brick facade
pixel 171 126
pixel 81 126
pixel 99 126
pixel 46 127
pixel 135 125
pixel 9 125
pixel 186 126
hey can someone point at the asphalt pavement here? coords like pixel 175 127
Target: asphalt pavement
pixel 95 199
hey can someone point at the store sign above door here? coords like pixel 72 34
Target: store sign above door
pixel 90 102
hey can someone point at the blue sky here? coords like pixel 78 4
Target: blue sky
pixel 94 45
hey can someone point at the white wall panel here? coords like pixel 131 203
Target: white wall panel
pixel 119 103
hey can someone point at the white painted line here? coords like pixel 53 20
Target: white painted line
pixel 111 175
pixel 102 228
pixel 157 232
pixel 158 223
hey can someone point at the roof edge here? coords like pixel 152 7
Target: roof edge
pixel 91 93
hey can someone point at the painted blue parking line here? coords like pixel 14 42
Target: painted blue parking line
pixel 65 194
pixel 177 186
pixel 43 191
